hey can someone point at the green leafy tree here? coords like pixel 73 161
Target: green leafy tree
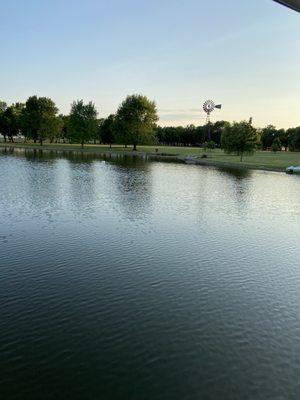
pixel 211 145
pixel 83 123
pixel 284 138
pixel 64 128
pixel 240 138
pixel 135 120
pixel 3 106
pixel 268 134
pixel 276 145
pixel 294 138
pixel 53 128
pixel 200 134
pixel 11 121
pixel 107 130
pixel 216 131
pixel 38 118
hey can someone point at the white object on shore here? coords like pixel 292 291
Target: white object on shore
pixel 293 170
pixel 190 160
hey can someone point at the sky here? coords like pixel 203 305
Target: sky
pixel 240 53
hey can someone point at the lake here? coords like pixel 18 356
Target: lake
pixel 122 278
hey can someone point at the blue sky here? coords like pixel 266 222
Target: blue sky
pixel 243 54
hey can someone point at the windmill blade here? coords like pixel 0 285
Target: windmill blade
pixel 219 106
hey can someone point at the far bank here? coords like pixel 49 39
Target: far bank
pixel 261 160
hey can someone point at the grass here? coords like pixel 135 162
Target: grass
pixel 260 160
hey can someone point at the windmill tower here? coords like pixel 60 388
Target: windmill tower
pixel 208 108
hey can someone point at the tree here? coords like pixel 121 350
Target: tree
pixel 64 129
pixel 276 145
pixel 211 145
pixel 239 138
pixel 216 131
pixel 284 138
pixel 268 134
pixel 83 123
pixel 107 130
pixel 53 128
pixel 38 118
pixel 135 120
pixel 294 138
pixel 11 121
pixel 3 106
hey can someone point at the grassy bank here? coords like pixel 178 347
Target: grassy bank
pixel 260 160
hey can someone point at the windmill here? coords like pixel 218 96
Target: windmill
pixel 208 108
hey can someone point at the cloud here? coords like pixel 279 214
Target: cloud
pixel 182 116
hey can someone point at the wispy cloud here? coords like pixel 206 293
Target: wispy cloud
pixel 169 116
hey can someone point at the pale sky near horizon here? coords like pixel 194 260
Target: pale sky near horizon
pixel 243 54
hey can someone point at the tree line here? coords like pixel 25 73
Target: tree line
pixel 38 120
pixel 134 123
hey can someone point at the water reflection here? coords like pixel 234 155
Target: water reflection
pixel 238 173
pixel 151 280
pixel 133 182
pixel 91 179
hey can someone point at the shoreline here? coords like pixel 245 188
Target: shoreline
pixel 159 156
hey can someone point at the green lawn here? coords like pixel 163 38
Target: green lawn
pixel 261 159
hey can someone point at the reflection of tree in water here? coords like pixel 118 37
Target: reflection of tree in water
pixel 52 184
pixel 7 150
pixel 38 155
pixel 42 185
pixel 72 182
pixel 82 195
pixel 238 173
pixel 132 181
pixel 240 184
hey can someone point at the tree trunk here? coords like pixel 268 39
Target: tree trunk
pixel 110 146
pixel 41 142
pixel 241 159
pixel 82 143
pixel 134 147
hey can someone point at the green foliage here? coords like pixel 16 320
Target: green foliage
pixel 38 118
pixel 10 121
pixel 239 138
pixel 268 134
pixel 294 138
pixel 284 138
pixel 211 145
pixel 83 124
pixel 107 130
pixel 53 128
pixel 135 120
pixel 216 130
pixel 190 135
pixel 64 129
pixel 3 106
pixel 276 145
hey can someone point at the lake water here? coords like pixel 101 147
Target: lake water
pixel 129 279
